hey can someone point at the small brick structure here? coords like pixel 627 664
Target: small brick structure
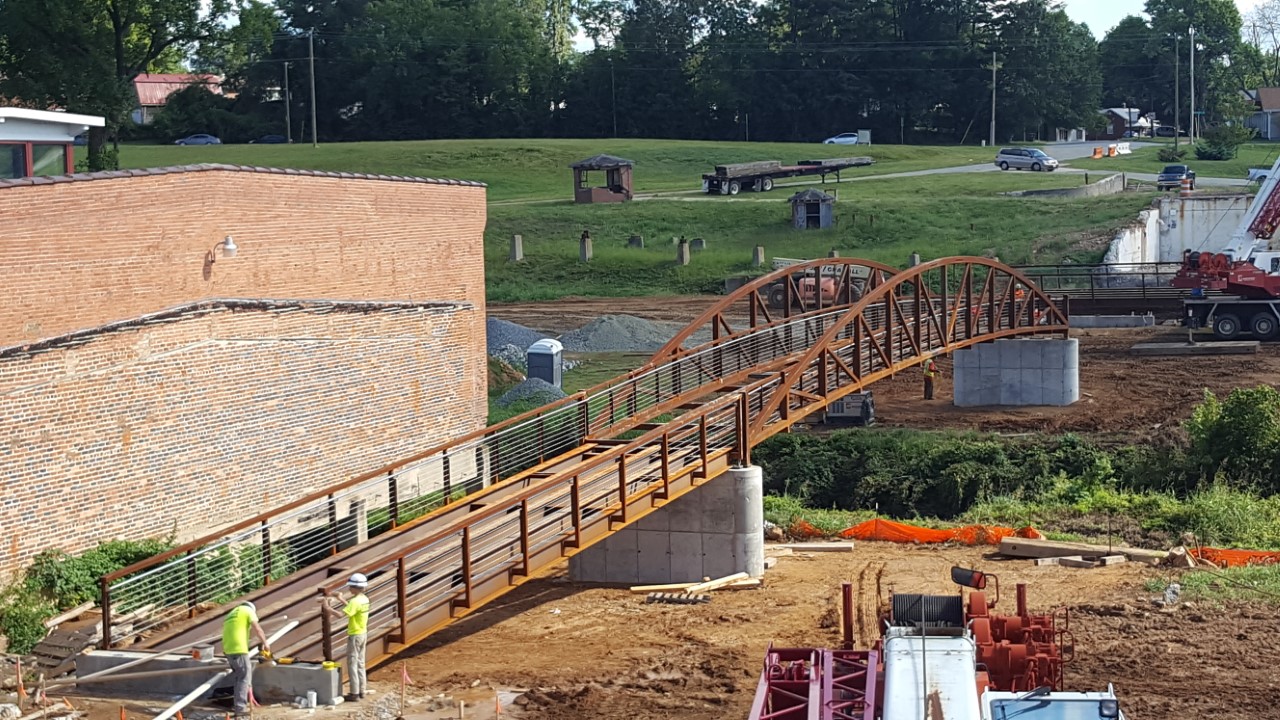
pixel 152 386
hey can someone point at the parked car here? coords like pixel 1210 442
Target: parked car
pixel 1171 177
pixel 81 139
pixel 1258 175
pixel 1168 131
pixel 198 139
pixel 1033 159
pixel 842 139
pixel 269 140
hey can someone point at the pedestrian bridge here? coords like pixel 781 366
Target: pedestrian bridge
pixel 443 532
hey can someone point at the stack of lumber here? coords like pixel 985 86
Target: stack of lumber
pixel 1079 555
pixel 750 168
pixel 844 162
pixel 737 581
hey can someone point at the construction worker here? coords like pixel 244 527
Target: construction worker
pixel 930 370
pixel 356 612
pixel 235 645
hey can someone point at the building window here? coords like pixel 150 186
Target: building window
pixel 48 159
pixel 13 161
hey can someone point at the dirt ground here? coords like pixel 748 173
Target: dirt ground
pixel 1121 394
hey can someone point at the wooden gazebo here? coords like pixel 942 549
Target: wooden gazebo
pixel 617 180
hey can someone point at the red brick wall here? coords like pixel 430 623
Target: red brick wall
pixel 201 422
pixel 79 254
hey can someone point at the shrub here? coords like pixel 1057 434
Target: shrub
pixel 1171 155
pixel 1221 142
pixel 22 615
pixel 69 581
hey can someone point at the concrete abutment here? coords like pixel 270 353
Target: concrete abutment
pixel 713 531
pixel 1018 372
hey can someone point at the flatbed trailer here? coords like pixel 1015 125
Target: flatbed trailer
pixel 759 176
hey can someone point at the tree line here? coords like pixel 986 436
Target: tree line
pixel 915 71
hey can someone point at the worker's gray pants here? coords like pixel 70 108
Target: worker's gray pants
pixel 242 676
pixel 928 388
pixel 355 663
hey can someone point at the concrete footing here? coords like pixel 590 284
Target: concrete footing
pixel 1224 347
pixel 1018 372
pixel 715 530
pixel 271 683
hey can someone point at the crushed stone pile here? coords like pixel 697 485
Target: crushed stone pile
pixel 502 333
pixel 618 333
pixel 511 355
pixel 534 390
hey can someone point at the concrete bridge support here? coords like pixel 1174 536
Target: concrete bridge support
pixel 715 530
pixel 1014 372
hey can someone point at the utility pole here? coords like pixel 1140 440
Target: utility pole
pixel 1192 133
pixel 288 119
pixel 1177 88
pixel 613 90
pixel 311 58
pixel 993 98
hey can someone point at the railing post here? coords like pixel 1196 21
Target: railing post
pixel 333 525
pixel 466 566
pixel 702 446
pixel 393 497
pixel 326 627
pixel 666 466
pixel 105 589
pixel 542 438
pixel 584 415
pixel 622 487
pixel 192 600
pixel 402 598
pixel 266 553
pixel 524 538
pixel 575 508
pixel 744 424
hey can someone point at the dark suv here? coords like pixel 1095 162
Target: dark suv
pixel 1170 178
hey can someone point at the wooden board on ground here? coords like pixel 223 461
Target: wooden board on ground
pixel 71 614
pixel 770 561
pixel 820 547
pixel 749 168
pixel 1024 548
pixel 717 583
pixel 744 583
pixel 777 551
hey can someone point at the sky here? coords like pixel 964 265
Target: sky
pixel 1102 15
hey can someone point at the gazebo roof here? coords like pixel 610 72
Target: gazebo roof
pixel 811 195
pixel 601 162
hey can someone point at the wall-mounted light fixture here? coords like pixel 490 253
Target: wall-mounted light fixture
pixel 229 250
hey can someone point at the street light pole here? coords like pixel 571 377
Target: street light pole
pixel 1192 134
pixel 311 58
pixel 993 98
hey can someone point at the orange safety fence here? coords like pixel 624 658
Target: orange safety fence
pixel 890 531
pixel 1235 558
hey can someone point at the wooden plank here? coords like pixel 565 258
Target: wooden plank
pixel 770 561
pixel 845 162
pixel 1075 562
pixel 71 614
pixel 1112 560
pixel 748 584
pixel 1023 548
pixel 717 583
pixel 669 587
pixel 748 168
pixel 820 547
pixel 777 551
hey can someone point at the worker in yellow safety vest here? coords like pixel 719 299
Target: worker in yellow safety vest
pixel 356 613
pixel 235 645
pixel 930 370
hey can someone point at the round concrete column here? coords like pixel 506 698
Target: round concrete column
pixel 748 519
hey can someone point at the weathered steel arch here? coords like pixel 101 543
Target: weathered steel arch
pixel 852 277
pixel 913 316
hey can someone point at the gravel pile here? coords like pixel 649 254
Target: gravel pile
pixel 618 333
pixel 511 355
pixel 535 389
pixel 502 333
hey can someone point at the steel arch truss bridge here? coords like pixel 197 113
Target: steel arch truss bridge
pixel 513 500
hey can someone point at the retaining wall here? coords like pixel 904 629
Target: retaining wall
pixel 1173 224
pixel 1112 185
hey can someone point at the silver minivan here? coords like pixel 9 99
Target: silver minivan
pixel 1025 159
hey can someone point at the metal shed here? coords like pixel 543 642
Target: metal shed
pixel 617 180
pixel 812 210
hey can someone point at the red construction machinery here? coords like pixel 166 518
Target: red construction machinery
pixel 1247 271
pixel 939 657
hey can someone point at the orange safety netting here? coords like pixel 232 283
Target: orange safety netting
pixel 1235 558
pixel 890 531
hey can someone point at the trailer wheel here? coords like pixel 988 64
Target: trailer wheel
pixel 1264 325
pixel 1226 327
pixel 766 185
pixel 734 187
pixel 777 297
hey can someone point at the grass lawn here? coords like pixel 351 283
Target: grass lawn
pixel 539 169
pixel 1145 160
pixel 886 220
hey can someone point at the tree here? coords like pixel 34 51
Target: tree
pixel 84 54
pixel 1129 56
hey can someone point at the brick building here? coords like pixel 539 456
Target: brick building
pixel 151 384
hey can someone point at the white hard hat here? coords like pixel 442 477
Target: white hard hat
pixel 252 608
pixel 358 581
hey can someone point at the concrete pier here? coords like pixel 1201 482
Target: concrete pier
pixel 273 683
pixel 1018 372
pixel 715 530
